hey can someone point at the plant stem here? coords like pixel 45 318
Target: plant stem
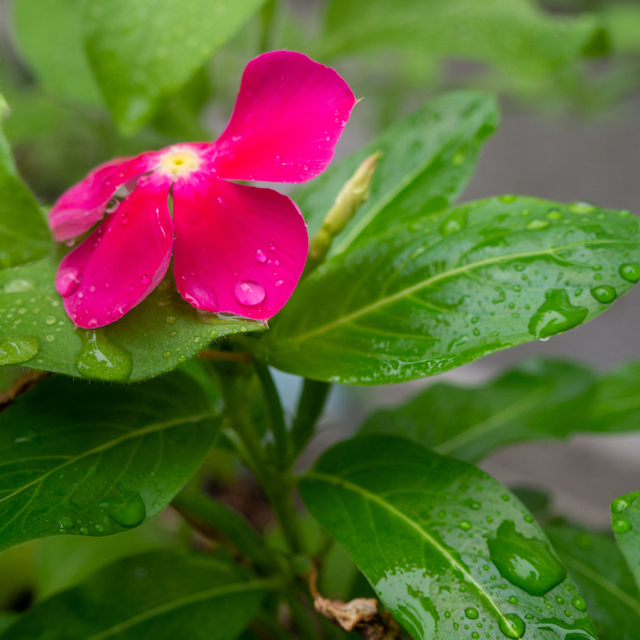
pixel 310 405
pixel 276 484
pixel 274 412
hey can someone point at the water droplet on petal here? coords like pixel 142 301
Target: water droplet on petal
pixel 272 246
pixel 124 219
pixel 143 180
pixel 260 257
pixel 67 281
pixel 249 293
pixel 144 279
pixel 279 283
pixel 112 205
pixel 278 159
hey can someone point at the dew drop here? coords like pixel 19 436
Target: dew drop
pixel 621 525
pixel 170 320
pixel 507 198
pixel 128 512
pixel 100 359
pixel 112 205
pixel 259 255
pixel 604 293
pixel 66 523
pixel 50 338
pixel 279 283
pixel 536 225
pixel 18 349
pixel 555 315
pixel 465 525
pixel 124 219
pixel 619 505
pixel 67 281
pixel 278 159
pixel 166 354
pixel 582 207
pixel 513 600
pixel 579 603
pixel 471 613
pixel 512 625
pixel 144 279
pixel 528 563
pixel 630 272
pixel 249 293
pixel 453 223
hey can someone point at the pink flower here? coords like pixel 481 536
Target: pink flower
pixel 237 249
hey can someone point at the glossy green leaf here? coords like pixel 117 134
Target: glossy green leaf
pixel 23 232
pixel 539 399
pixel 86 459
pixel 143 50
pixel 514 34
pixel 427 160
pixel 156 336
pixel 605 583
pixel 50 35
pixel 453 286
pixel 625 522
pixel 616 406
pixel 448 549
pixel 162 595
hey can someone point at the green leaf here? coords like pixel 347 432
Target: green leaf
pixel 86 459
pixel 143 50
pixel 445 546
pixel 539 399
pixel 600 572
pixel 23 232
pixel 50 35
pixel 513 34
pixel 625 521
pixel 427 161
pixel 162 595
pixel 616 406
pixel 156 336
pixel 450 287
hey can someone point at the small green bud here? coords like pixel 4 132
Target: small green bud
pixel 354 193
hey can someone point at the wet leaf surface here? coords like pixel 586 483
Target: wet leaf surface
pixel 89 459
pixel 539 399
pixel 625 522
pixel 612 599
pixel 450 287
pixel 162 595
pixel 158 335
pixel 449 550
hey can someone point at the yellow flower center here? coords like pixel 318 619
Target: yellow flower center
pixel 179 163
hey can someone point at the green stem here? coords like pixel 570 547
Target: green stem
pixel 267 14
pixel 277 485
pixel 303 619
pixel 217 521
pixel 275 413
pixel 310 405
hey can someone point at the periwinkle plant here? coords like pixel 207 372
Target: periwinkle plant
pixel 183 505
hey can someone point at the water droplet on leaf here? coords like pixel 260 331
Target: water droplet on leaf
pixel 100 359
pixel 555 315
pixel 527 563
pixel 604 293
pixel 512 625
pixel 18 349
pixel 630 272
pixel 129 511
pixel 621 525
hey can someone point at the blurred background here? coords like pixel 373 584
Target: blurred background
pixel 567 73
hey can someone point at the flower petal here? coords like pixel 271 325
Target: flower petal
pixel 119 264
pixel 288 117
pixel 81 206
pixel 238 249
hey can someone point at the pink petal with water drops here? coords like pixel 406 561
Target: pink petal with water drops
pixel 121 262
pixel 238 249
pixel 288 117
pixel 81 206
